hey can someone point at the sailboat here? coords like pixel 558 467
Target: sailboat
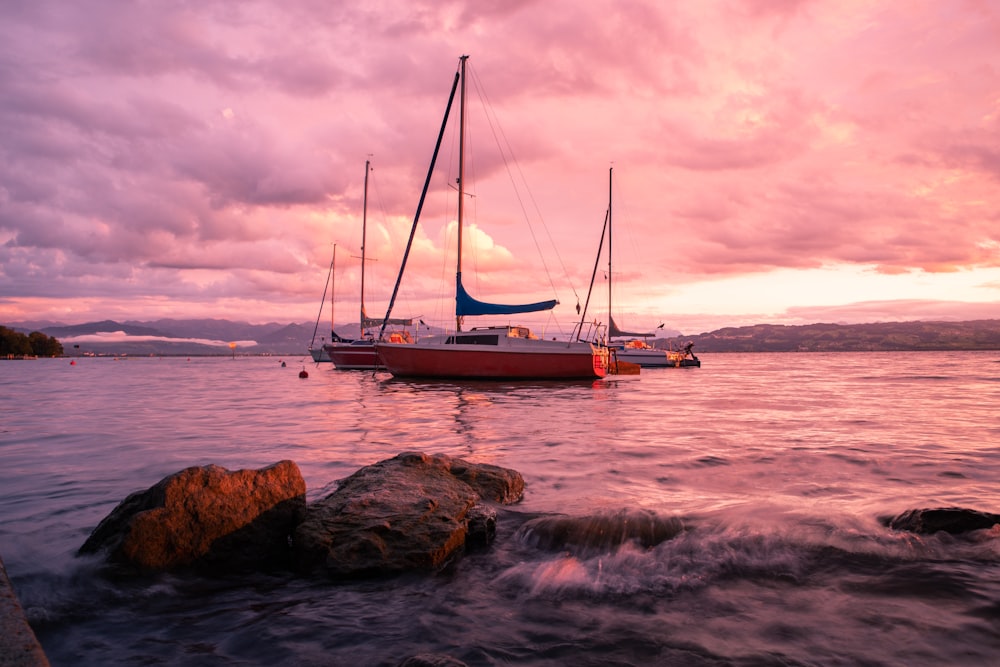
pixel 360 354
pixel 493 352
pixel 637 350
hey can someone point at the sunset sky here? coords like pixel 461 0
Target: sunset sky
pixel 783 161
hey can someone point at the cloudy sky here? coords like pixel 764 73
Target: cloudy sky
pixel 785 161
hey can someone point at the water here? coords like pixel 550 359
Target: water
pixel 780 465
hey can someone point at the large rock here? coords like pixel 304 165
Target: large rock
pixel 953 520
pixel 411 512
pixel 207 517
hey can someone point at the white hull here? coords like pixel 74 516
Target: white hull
pixel 654 358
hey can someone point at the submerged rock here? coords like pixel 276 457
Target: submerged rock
pixel 601 531
pixel 207 517
pixel 953 520
pixel 411 512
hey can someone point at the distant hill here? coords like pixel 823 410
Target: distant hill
pixel 168 337
pixel 881 336
pixel 212 337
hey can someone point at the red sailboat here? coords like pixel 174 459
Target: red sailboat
pixel 493 353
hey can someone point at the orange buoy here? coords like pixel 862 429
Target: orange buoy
pixel 72 363
pixel 303 374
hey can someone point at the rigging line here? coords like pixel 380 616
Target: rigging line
pixel 323 300
pixel 495 127
pixel 593 275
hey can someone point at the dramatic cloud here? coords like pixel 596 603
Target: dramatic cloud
pixel 780 161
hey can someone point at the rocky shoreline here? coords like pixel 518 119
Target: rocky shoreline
pixel 412 513
pixel 18 645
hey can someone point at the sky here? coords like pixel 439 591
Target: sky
pixel 774 161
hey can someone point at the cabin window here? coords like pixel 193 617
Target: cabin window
pixel 473 339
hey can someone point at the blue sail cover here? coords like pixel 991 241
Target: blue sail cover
pixel 466 305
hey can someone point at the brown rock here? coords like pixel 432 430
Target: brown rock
pixel 411 512
pixel 207 517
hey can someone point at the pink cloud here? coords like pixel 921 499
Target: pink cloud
pixel 218 147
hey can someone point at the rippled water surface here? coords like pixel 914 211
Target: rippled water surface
pixel 779 465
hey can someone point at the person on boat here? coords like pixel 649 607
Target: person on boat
pixel 688 352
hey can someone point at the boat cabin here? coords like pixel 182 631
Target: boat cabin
pixel 489 335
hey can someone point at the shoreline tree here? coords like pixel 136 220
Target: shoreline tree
pixel 16 345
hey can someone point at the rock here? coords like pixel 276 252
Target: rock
pixel 601 532
pixel 18 645
pixel 953 520
pixel 482 521
pixel 411 512
pixel 207 517
pixel 493 483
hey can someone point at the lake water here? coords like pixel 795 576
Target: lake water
pixel 780 465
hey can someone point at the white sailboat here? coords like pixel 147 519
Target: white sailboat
pixel 635 350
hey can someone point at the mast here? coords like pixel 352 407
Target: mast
pixel 333 292
pixel 364 225
pixel 610 169
pixel 461 181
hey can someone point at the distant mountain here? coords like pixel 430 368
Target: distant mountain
pixel 131 329
pixel 881 336
pixel 212 337
pixel 177 337
pixel 214 329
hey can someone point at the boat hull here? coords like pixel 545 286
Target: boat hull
pixel 653 358
pixel 540 360
pixel 355 356
pixel 318 354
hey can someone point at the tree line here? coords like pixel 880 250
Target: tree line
pixel 15 344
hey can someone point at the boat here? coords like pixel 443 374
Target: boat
pixel 636 350
pixel 510 352
pixel 359 354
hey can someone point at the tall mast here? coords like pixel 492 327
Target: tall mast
pixel 364 225
pixel 461 178
pixel 333 291
pixel 610 169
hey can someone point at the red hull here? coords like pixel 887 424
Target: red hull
pixel 461 362
pixel 350 356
